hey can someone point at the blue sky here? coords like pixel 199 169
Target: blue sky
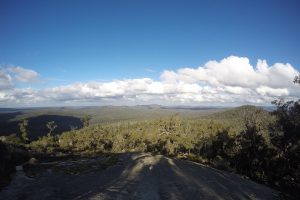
pixel 74 41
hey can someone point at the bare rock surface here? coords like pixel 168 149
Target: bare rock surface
pixel 131 176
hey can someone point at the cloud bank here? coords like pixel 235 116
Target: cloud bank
pixel 232 80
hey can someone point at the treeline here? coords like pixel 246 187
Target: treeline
pixel 265 146
pixel 261 145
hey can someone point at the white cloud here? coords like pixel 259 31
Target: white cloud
pixel 10 75
pixel 5 80
pixel 237 90
pixel 264 90
pixel 22 74
pixel 236 80
pixel 236 72
pixel 150 70
pixel 232 80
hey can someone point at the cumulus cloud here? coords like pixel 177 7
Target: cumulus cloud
pixel 9 77
pixel 232 80
pixel 235 72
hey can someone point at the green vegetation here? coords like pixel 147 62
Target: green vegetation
pixel 248 140
pixel 24 130
pixel 238 116
pixel 86 120
pixel 51 127
pixel 69 118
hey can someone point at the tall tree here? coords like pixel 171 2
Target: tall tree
pixel 285 136
pixel 51 126
pixel 86 120
pixel 23 126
